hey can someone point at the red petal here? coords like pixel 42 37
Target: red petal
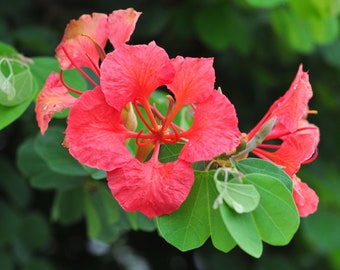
pixel 194 79
pixel 121 25
pixel 294 150
pixel 292 106
pixel 133 72
pixel 305 198
pixel 81 48
pixel 53 98
pixel 214 130
pixel 152 188
pixel 95 133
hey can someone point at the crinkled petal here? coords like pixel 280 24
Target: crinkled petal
pixel 194 79
pixel 95 133
pixel 292 106
pixel 152 188
pixel 294 150
pixel 305 198
pixel 214 130
pixel 121 25
pixel 53 98
pixel 133 72
pixel 80 48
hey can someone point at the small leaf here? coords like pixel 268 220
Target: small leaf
pixel 243 230
pixel 242 198
pixel 49 148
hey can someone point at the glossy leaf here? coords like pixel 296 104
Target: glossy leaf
pixel 243 229
pixel 256 165
pixel 276 217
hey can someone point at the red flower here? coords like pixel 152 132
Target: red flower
pixel 82 46
pixel 96 133
pixel 298 138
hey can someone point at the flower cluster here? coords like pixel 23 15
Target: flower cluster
pixel 116 111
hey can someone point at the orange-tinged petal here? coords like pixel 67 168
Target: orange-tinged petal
pixel 53 98
pixel 194 79
pixel 76 42
pixel 305 198
pixel 121 25
pixel 152 188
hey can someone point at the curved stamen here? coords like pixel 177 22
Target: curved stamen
pixel 95 67
pixel 68 87
pixel 142 117
pixel 87 77
pixel 141 144
pixel 269 146
pixel 169 140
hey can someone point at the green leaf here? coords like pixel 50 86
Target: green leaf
pixel 10 114
pixel 38 172
pixel 9 225
pixel 7 50
pixel 256 165
pixel 242 198
pixel 169 152
pixel 243 230
pixel 192 224
pixel 49 148
pixel 102 213
pixel 41 67
pixel 276 217
pixel 68 206
pixel 13 184
pixel 266 3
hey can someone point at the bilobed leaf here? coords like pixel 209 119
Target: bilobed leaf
pixel 276 217
pixel 169 152
pixel 39 174
pixel 192 224
pixel 243 198
pixel 243 230
pixel 49 148
pixel 256 165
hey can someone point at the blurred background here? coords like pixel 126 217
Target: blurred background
pixel 258 46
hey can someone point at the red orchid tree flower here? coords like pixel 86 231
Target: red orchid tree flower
pixel 82 46
pixel 96 134
pixel 298 138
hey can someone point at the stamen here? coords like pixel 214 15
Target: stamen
pixel 169 138
pixel 68 87
pixel 142 117
pixel 312 112
pixel 269 146
pixel 79 69
pixel 141 144
pixel 95 67
pixel 99 49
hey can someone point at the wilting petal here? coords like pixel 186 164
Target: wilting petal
pixel 292 106
pixel 80 48
pixel 95 133
pixel 53 98
pixel 194 79
pixel 305 198
pixel 121 25
pixel 152 188
pixel 133 72
pixel 295 149
pixel 214 130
